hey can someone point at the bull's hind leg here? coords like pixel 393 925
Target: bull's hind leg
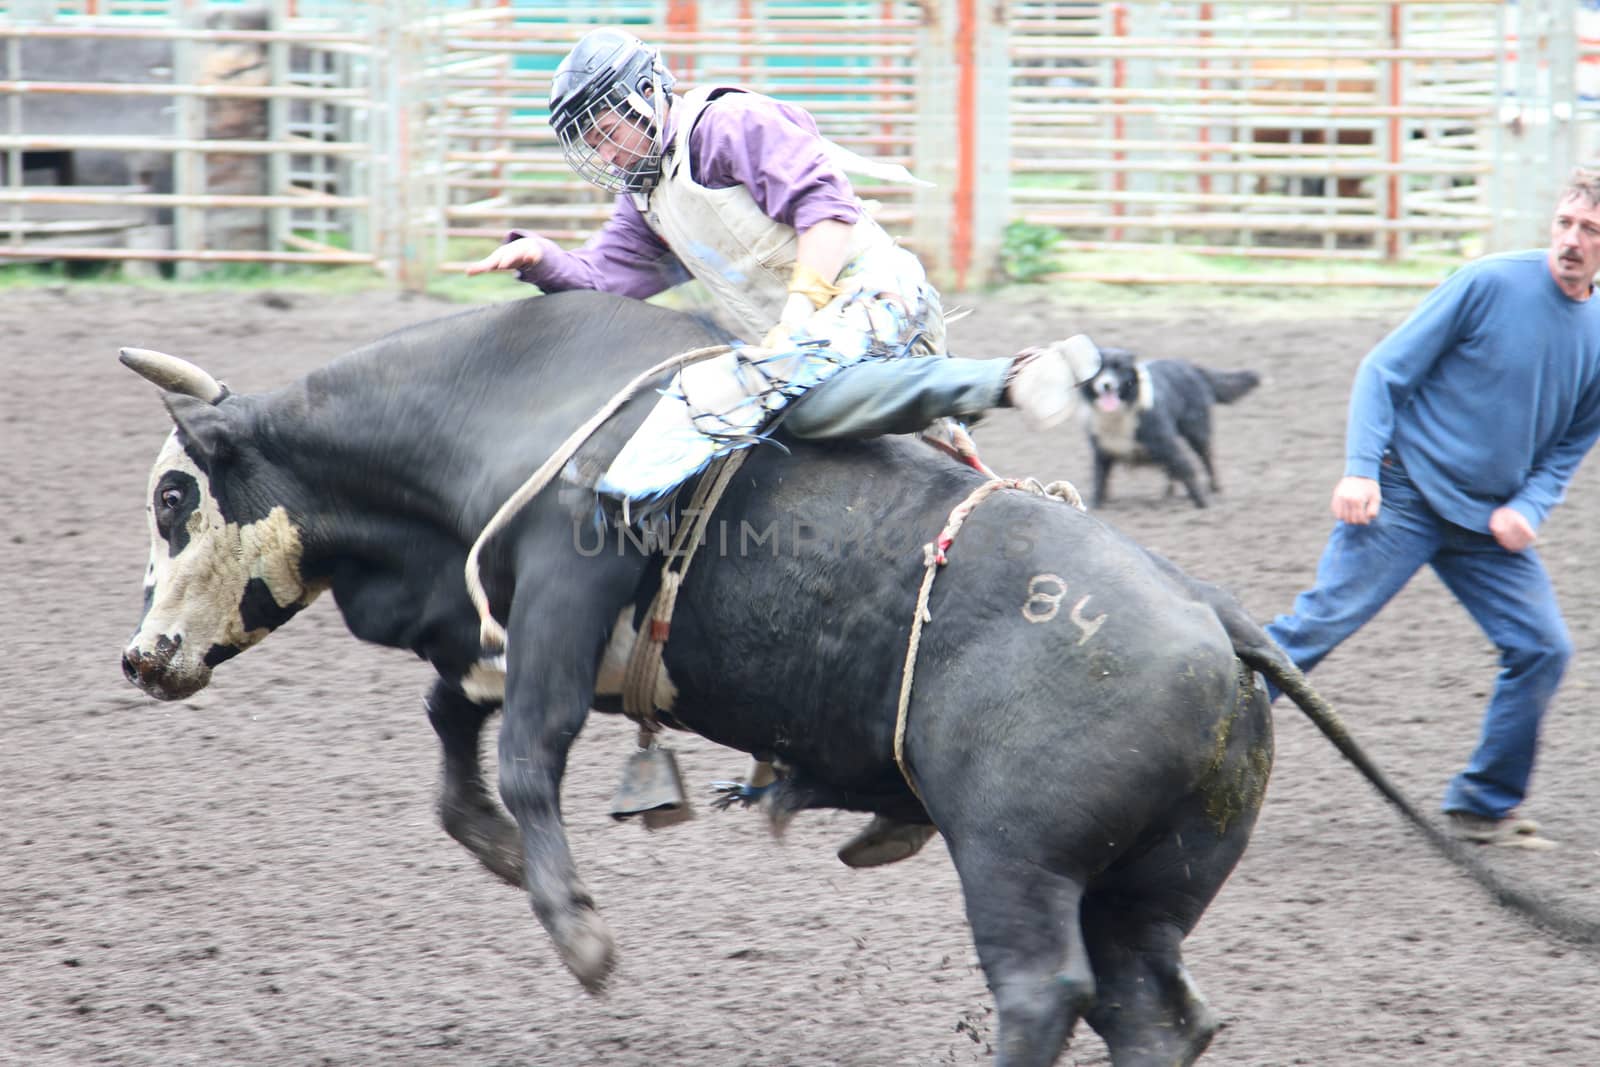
pixel 1026 929
pixel 1137 914
pixel 466 810
pixel 1148 1011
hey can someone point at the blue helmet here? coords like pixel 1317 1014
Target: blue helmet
pixel 610 70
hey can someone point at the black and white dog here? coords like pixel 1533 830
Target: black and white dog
pixel 1139 411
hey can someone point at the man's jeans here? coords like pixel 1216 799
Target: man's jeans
pixel 1508 594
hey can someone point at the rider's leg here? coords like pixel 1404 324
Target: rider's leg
pixel 897 396
pixel 906 395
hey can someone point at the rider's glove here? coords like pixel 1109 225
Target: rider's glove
pixel 808 291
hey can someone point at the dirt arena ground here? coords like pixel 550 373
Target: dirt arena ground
pixel 254 876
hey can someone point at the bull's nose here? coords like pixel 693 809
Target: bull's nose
pixel 149 669
pixel 144 669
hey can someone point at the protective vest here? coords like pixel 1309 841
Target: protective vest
pixel 724 238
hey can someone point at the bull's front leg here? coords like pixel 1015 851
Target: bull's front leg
pixel 558 630
pixel 466 810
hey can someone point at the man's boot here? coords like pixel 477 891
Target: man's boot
pixel 1042 382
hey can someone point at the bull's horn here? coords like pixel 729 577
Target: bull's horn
pixel 173 374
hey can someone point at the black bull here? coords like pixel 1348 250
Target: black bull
pixel 1084 730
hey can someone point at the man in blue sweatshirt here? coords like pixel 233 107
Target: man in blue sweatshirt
pixel 1466 424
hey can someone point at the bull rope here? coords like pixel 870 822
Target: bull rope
pixel 935 554
pixel 490 633
pixel 643 669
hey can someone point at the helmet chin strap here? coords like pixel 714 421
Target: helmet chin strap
pixel 658 104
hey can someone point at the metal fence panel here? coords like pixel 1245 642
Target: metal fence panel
pixel 403 134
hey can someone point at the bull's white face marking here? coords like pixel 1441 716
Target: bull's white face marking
pixel 614 665
pixel 1046 592
pixel 193 597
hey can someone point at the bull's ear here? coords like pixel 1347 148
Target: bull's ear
pixel 203 426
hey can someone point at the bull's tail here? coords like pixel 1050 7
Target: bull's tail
pixel 1258 651
pixel 1271 661
pixel 1230 385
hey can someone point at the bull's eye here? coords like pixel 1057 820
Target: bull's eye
pixel 173 499
pixel 168 503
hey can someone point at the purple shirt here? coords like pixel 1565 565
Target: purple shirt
pixel 771 148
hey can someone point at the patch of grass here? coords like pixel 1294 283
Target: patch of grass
pixel 1231 280
pixel 1034 269
pixel 479 289
pixel 294 278
pixel 1027 251
pixel 57 272
pixel 241 276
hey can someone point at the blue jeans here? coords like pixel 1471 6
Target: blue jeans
pixel 1508 594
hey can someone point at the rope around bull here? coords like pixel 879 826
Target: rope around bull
pixel 490 632
pixel 935 554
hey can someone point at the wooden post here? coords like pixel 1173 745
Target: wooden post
pixel 965 194
pixel 1394 75
pixel 399 29
pixel 14 176
pixel 188 166
pixel 682 18
pixel 1204 133
pixel 963 141
pixel 279 220
pixel 991 146
pixel 1535 132
pixel 1119 123
pixel 934 153
pixel 235 119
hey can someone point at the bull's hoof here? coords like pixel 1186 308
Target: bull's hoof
pixel 501 860
pixel 587 948
pixel 884 841
pixel 489 836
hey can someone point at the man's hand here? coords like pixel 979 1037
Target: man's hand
pixel 797 312
pixel 1511 529
pixel 1356 500
pixel 513 255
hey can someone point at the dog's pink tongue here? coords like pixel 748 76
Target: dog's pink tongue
pixel 1107 402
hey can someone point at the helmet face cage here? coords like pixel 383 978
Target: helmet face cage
pixel 583 140
pixel 610 71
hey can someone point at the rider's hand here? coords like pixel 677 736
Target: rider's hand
pixel 797 312
pixel 1511 529
pixel 1356 500
pixel 513 255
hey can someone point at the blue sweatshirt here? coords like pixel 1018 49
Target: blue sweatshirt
pixel 1489 393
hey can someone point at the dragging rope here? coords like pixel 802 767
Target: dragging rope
pixel 935 554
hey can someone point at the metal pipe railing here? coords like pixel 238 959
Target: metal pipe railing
pixel 412 126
